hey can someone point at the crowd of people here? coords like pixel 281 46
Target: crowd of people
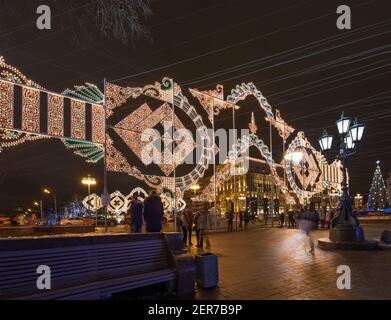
pixel 192 221
pixel 150 212
pixel 322 218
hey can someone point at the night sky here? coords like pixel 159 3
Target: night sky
pixel 291 50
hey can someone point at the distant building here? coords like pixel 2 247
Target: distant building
pixel 254 189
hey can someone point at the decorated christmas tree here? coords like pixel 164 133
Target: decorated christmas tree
pixel 378 198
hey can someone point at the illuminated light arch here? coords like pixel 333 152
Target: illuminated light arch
pixel 8 137
pixel 318 173
pixel 244 90
pixel 120 204
pixel 170 92
pixel 244 143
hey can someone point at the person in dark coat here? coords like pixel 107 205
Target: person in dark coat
pixel 291 219
pixel 136 215
pixel 309 220
pixel 153 212
pixel 230 218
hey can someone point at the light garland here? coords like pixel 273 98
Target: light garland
pixel 169 92
pixel 120 204
pixel 311 179
pixel 212 101
pixel 11 138
pixel 6 103
pixel 132 128
pixel 55 115
pixel 89 92
pixel 30 110
pixel 78 120
pixel 12 74
pixel 242 91
pixel 98 123
pixel 91 151
pixel 117 96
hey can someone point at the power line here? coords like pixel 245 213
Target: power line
pixel 286 53
pixel 224 48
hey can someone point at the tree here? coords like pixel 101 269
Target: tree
pixel 378 198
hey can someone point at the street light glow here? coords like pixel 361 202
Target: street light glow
pixel 295 157
pixel 88 181
pixel 195 187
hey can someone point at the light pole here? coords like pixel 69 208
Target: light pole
pixel 345 231
pixel 90 181
pixel 48 191
pixel 39 204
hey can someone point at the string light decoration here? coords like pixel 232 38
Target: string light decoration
pixel 115 161
pixel 98 123
pixel 120 204
pixel 332 175
pixel 90 93
pixel 91 151
pixel 10 73
pixel 169 92
pixel 284 130
pixel 161 90
pixel 11 138
pixel 241 146
pixel 244 143
pixel 242 91
pixel 117 96
pixel 212 100
pixel 78 120
pixel 6 103
pixel 30 110
pixel 55 115
pixel 132 131
pixel 305 178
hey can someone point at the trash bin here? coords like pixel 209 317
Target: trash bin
pixel 207 270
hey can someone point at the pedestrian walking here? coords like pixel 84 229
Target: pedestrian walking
pixel 187 226
pixel 246 218
pixel 153 212
pixel 201 223
pixel 282 219
pixel 240 220
pixel 265 217
pixel 291 219
pixel 322 217
pixel 136 215
pixel 230 218
pixel 308 221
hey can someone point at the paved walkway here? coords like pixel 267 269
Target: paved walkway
pixel 275 264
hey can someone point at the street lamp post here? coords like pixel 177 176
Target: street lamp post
pixel 90 181
pixel 345 231
pixel 39 204
pixel 48 191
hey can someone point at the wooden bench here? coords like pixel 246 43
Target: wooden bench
pixel 95 269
